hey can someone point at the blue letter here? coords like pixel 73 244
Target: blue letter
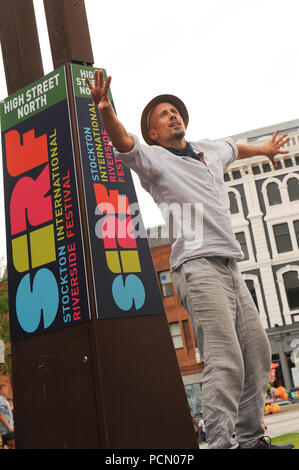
pixel 43 299
pixel 125 292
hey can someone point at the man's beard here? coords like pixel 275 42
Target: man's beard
pixel 179 135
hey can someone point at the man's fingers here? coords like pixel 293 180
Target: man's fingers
pixel 101 79
pixel 274 135
pixel 89 83
pixel 282 137
pixel 283 142
pixel 107 86
pixel 96 78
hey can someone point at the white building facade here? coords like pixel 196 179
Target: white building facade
pixel 264 205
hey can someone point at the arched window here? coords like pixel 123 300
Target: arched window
pixel 293 189
pixel 291 284
pixel 233 203
pixel 273 193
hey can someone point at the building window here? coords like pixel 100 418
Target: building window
pixel 194 397
pixel 256 170
pixel 237 175
pixel 233 203
pixel 165 283
pixel 175 332
pixel 288 162
pixel 293 189
pixel 282 238
pixel 250 285
pixel 291 284
pixel 296 227
pixel 273 193
pixel 266 167
pixel 240 236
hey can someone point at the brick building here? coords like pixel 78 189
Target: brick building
pixel 191 365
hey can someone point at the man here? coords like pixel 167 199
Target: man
pixel 225 321
pixel 6 417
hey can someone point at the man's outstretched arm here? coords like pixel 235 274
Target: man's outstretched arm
pixel 269 149
pixel 114 128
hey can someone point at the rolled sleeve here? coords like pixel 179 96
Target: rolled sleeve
pixel 141 159
pixel 229 152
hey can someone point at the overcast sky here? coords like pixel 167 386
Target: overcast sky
pixel 235 64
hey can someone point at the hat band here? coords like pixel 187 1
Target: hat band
pixel 148 119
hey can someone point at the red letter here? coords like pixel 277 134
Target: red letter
pixel 29 194
pixel 22 158
pixel 119 203
pixel 122 229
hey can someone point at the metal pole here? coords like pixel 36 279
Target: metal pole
pixel 20 45
pixel 68 32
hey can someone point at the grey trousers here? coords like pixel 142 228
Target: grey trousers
pixel 234 346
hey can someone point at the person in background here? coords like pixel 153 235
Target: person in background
pixel 6 418
pixel 202 427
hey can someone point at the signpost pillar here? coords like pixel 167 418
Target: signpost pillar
pixel 93 361
pixel 20 46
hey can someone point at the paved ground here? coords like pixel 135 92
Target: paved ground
pixel 284 422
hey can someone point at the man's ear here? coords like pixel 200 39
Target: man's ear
pixel 152 134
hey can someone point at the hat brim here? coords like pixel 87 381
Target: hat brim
pixel 180 106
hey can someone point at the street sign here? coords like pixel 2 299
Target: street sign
pixel 124 276
pixel 45 262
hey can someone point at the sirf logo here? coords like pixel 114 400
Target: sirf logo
pixel 37 296
pixel 116 229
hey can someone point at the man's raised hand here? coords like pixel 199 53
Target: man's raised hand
pixel 273 146
pixel 100 91
pixel 114 128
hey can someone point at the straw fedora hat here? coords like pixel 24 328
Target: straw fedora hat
pixel 149 107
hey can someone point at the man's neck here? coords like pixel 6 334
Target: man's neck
pixel 175 144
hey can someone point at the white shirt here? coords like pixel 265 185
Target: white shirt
pixel 202 425
pixel 182 186
pixel 5 410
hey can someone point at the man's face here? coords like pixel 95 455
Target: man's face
pixel 166 125
pixel 4 391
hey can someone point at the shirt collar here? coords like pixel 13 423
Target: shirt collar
pixel 186 152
